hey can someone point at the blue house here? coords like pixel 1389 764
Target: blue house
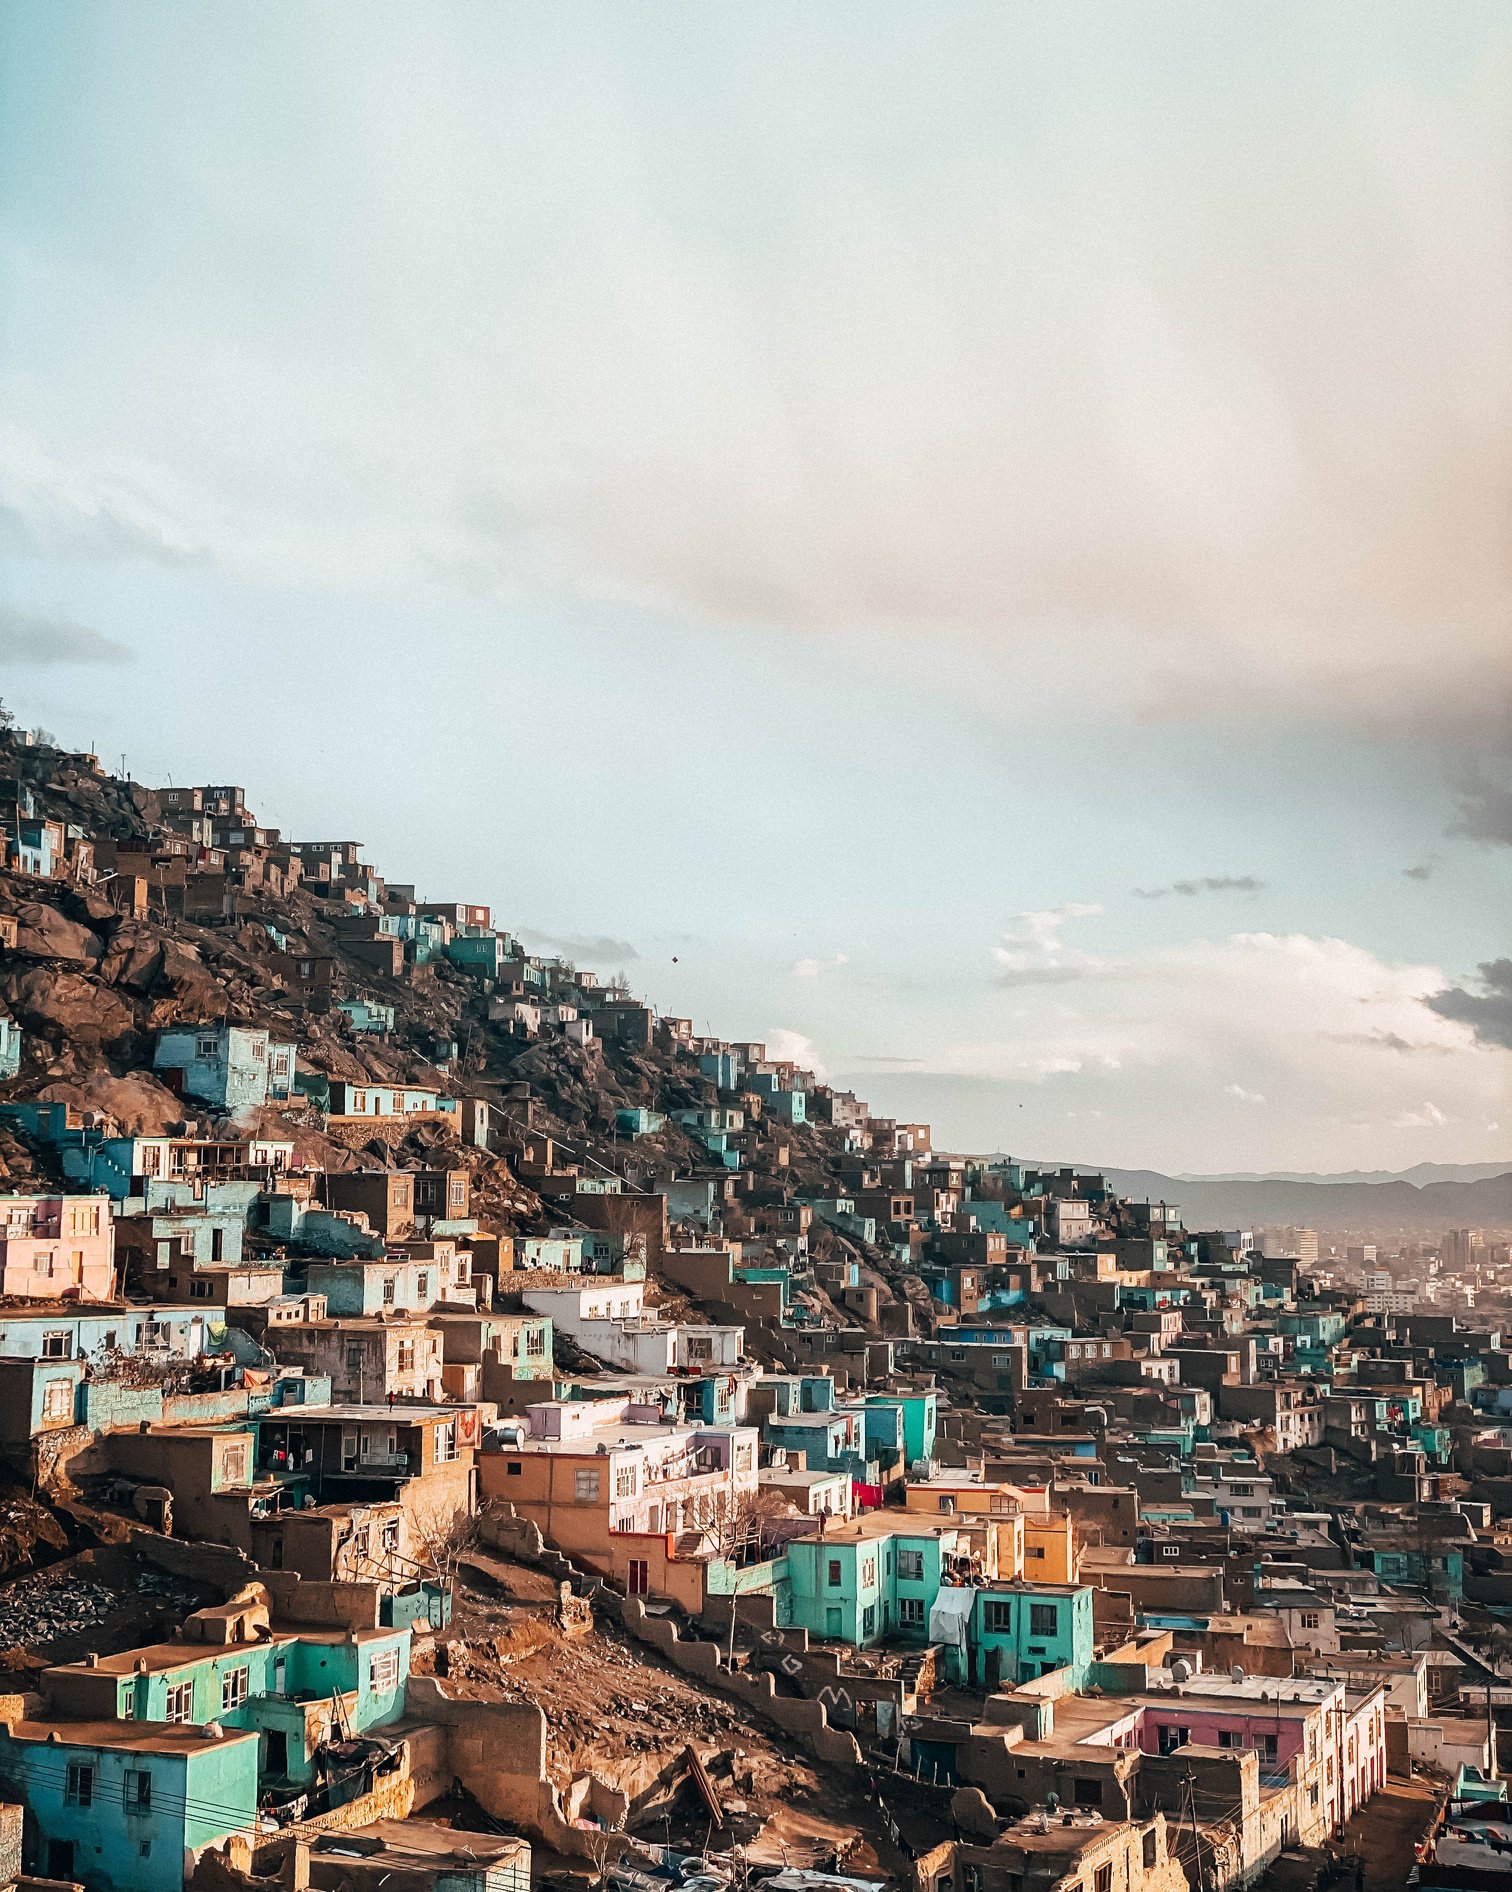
pixel 10 1046
pixel 363 1015
pixel 230 1067
pixel 123 1806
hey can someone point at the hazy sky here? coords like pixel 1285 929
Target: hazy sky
pixel 972 540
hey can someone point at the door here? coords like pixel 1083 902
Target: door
pixel 349 1448
pixel 640 1576
pixel 276 1752
pixel 60 1859
pixel 832 1622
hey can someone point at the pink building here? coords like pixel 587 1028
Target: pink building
pixel 1321 1736
pixel 57 1248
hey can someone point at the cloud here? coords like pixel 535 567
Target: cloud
pixel 1385 1040
pixel 1302 1016
pixel 811 968
pixel 1485 809
pixel 595 949
pixel 28 639
pixel 1208 883
pixel 1033 953
pixel 1488 1012
pixel 782 1043
pixel 1429 1117
pixel 883 1057
pixel 1423 871
pixel 1244 1096
pixel 1098 373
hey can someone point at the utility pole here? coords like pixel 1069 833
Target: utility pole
pixel 1191 1800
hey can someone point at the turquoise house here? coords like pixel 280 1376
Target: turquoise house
pixel 637 1122
pixel 862 1589
pixel 10 1046
pixel 125 1812
pixel 920 1414
pixel 294 1692
pixel 1024 1630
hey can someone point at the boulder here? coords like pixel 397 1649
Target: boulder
pixel 45 933
pixel 55 1003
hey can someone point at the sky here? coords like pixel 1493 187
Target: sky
pixel 969 543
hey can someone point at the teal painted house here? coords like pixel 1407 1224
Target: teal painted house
pixel 862 1586
pixel 294 1692
pixel 1023 1630
pixel 920 1420
pixel 128 1808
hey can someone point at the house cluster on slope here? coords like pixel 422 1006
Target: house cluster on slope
pixel 1133 1556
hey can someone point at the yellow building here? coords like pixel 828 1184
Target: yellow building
pixel 953 1493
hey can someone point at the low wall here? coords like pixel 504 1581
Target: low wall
pixel 807 1720
pixel 200 1563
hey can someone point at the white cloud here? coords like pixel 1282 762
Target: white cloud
pixel 1320 1022
pixel 1033 952
pixel 1103 373
pixel 781 1042
pixel 812 968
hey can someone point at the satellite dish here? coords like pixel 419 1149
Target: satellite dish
pixel 1236 1674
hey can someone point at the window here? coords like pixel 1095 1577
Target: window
pixel 869 1573
pixel 234 1465
pixel 585 1486
pixel 136 1790
pixel 57 1400
pixel 389 1291
pixel 1311 1619
pixel 624 1481
pixel 1044 1619
pixel 178 1704
pixel 207 1049
pixel 78 1790
pixel 513 1468
pixel 910 1566
pixel 384 1676
pixel 446 1448
pixel 234 1687
pixel 869 1620
pixel 1103 1879
pixel 535 1341
pixel 997 1618
pixel 201 1290
pixel 911 1612
pixel 1150 1851
pixel 1035 1551
pixel 422 1285
pixel 834 1573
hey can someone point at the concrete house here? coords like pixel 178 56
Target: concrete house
pixel 130 1806
pixel 232 1068
pixel 57 1248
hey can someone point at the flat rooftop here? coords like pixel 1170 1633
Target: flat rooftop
pixel 137 1737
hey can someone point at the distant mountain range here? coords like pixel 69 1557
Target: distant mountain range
pixel 1419 1174
pixel 1470 1196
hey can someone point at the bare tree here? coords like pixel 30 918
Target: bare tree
pixel 440 1542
